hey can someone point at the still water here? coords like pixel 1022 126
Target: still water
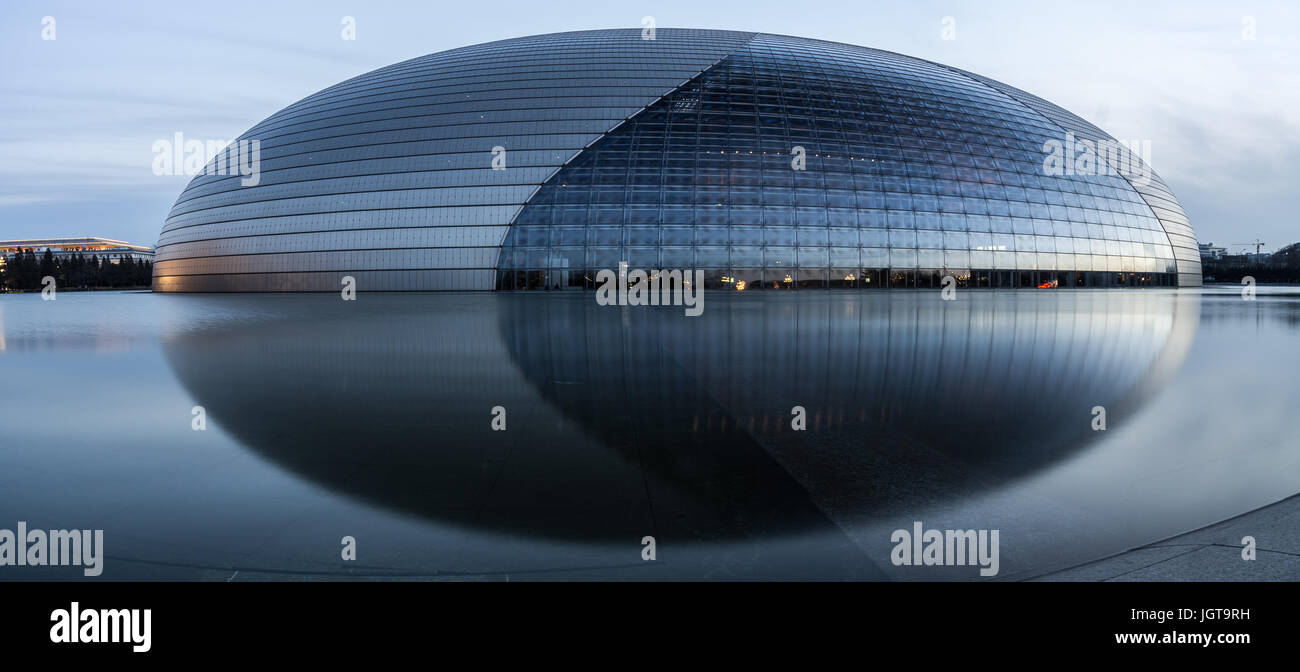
pixel 373 419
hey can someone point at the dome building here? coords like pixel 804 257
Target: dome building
pixel 767 161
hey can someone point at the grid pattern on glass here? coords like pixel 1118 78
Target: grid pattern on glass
pixel 913 171
pixel 387 176
pixel 1153 190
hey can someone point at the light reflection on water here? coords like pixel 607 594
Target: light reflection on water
pixel 372 419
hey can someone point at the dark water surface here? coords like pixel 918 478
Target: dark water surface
pixel 372 419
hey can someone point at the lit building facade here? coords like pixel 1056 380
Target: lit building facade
pixel 768 161
pixel 108 249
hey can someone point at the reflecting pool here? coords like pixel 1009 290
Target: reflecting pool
pixel 375 418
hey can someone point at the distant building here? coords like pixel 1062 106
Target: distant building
pixel 105 248
pixel 1254 258
pixel 1211 252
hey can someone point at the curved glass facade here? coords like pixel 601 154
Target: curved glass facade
pixel 670 153
pixel 387 177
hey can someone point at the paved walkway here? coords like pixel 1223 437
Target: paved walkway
pixel 1212 553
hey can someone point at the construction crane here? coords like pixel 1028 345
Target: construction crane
pixel 1258 244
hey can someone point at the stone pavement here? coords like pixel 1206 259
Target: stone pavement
pixel 1212 553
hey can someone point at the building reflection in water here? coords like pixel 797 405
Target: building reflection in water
pixel 627 419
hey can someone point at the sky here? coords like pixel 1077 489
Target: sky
pixel 1214 86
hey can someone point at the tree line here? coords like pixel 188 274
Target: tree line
pixel 1282 266
pixel 23 272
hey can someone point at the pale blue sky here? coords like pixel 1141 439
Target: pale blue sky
pixel 79 114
